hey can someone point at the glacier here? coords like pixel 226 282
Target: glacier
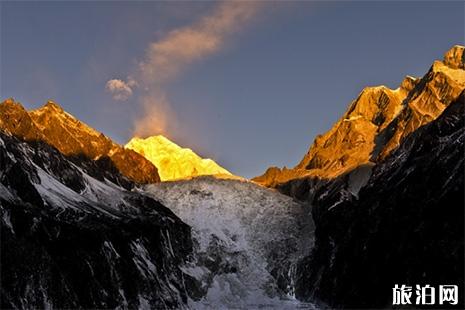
pixel 247 241
pixel 202 243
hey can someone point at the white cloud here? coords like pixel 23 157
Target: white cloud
pixel 120 89
pixel 172 54
pixel 166 58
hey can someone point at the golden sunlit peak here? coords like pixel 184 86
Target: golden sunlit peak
pixel 174 162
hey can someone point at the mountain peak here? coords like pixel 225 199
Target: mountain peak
pixel 455 57
pixel 50 104
pixel 52 115
pixel 351 140
pixel 54 126
pixel 10 104
pixel 408 83
pixel 155 139
pixel 17 121
pixel 173 161
pixel 9 101
pixel 378 120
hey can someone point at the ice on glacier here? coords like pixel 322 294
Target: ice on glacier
pixel 247 239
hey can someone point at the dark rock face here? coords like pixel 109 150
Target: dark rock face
pixel 404 227
pixel 69 240
pixel 93 263
pixel 386 186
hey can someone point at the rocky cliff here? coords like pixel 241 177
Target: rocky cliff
pixel 404 227
pixel 52 125
pixel 70 240
pixel 386 187
pixel 77 232
pixel 377 121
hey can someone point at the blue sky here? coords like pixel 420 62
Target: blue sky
pixel 280 76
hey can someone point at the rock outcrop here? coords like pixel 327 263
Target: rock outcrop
pixel 386 187
pixel 69 240
pixel 377 122
pixel 52 125
pixel 405 226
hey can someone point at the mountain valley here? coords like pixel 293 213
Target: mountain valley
pixel 376 201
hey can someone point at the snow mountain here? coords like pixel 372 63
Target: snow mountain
pixel 404 225
pixel 386 190
pixel 376 201
pixel 174 162
pixel 377 121
pixel 52 125
pixel 78 233
pixel 70 238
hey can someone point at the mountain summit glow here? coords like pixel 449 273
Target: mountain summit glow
pixel 52 125
pixel 377 121
pixel 174 162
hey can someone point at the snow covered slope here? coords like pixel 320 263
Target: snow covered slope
pixel 71 240
pixel 247 240
pixel 174 162
pixel 130 250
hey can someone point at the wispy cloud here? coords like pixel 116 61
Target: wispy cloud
pixel 181 47
pixel 166 58
pixel 158 115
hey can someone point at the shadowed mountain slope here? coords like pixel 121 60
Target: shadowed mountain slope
pixel 69 240
pixel 405 226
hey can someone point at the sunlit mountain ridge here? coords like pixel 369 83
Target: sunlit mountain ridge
pixel 377 121
pixel 174 162
pixel 377 199
pixel 52 125
pixel 141 160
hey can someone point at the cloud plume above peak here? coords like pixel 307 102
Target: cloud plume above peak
pixel 169 56
pixel 181 47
